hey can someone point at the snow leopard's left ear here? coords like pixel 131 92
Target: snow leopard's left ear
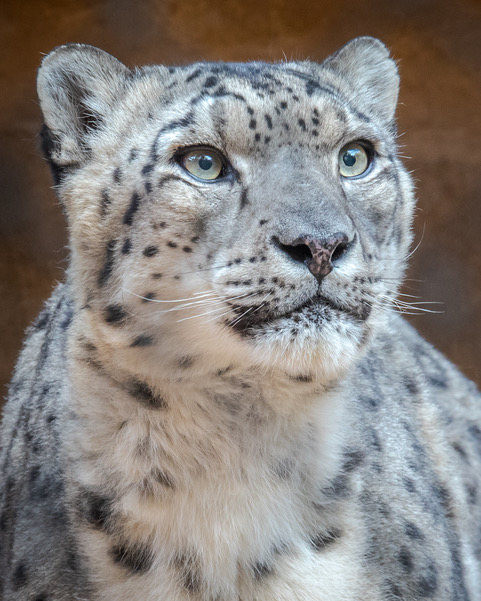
pixel 77 86
pixel 370 73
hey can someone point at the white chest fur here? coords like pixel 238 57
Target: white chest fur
pixel 213 496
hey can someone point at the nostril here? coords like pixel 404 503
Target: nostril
pixel 298 252
pixel 339 251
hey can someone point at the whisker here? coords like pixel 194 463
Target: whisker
pixel 200 314
pixel 208 302
pixel 263 303
pixel 232 323
pixel 204 302
pixel 218 308
pixel 412 308
pixel 221 315
pixel 418 244
pixel 175 300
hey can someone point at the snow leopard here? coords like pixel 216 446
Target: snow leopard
pixel 221 401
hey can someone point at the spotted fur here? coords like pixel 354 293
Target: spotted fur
pixel 220 402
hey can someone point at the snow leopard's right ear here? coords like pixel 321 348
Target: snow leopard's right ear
pixel 77 86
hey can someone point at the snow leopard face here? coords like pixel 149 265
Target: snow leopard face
pixel 253 212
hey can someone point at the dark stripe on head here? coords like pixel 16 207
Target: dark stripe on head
pixel 186 121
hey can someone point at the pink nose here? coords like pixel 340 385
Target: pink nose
pixel 318 254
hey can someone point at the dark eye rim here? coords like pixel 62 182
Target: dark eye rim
pixel 370 150
pixel 226 173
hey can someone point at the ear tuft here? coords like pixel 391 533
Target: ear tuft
pixel 78 85
pixel 370 73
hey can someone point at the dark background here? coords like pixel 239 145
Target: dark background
pixel 437 43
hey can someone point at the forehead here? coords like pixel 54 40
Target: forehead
pixel 255 103
pixel 279 86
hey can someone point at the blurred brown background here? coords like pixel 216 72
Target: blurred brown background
pixel 437 43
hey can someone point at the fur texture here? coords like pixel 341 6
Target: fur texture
pixel 220 403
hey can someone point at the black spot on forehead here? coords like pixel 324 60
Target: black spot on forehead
pixel 194 75
pixel 210 82
pixel 126 246
pixel 150 251
pixel 147 169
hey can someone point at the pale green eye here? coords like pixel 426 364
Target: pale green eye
pixel 204 164
pixel 353 160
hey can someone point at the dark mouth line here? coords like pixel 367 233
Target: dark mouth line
pixel 359 313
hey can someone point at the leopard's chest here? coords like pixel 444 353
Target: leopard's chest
pixel 213 549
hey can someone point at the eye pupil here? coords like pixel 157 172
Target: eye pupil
pixel 205 163
pixel 349 158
